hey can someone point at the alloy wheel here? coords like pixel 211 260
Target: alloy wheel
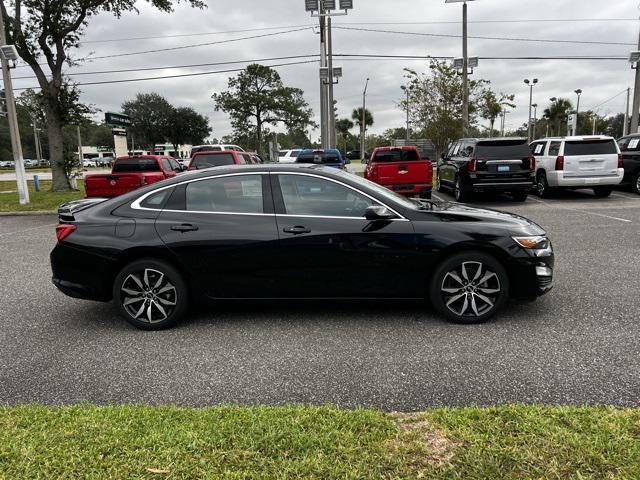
pixel 638 184
pixel 148 296
pixel 470 290
pixel 457 190
pixel 541 187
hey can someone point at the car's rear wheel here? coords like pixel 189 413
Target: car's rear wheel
pixel 469 287
pixel 635 184
pixel 542 186
pixel 602 192
pixel 150 294
pixel 460 193
pixel 520 196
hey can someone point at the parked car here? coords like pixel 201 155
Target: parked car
pixel 130 173
pixel 402 170
pixel 288 156
pixel 355 155
pixel 289 231
pixel 30 163
pixel 329 157
pixel 578 162
pixel 5 164
pixel 214 148
pixel 87 163
pixel 44 163
pixel 630 149
pixel 105 161
pixel 476 165
pixel 204 160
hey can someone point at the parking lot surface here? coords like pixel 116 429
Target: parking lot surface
pixel 578 345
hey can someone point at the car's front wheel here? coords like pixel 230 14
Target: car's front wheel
pixel 469 287
pixel 150 294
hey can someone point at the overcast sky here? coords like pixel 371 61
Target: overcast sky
pixel 600 80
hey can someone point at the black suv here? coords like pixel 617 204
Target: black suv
pixel 630 148
pixel 487 165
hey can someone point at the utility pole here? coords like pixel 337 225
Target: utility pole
pixel 530 84
pixel 465 73
pixel 324 140
pixel 625 128
pixel 535 120
pixel 408 133
pixel 330 108
pixel 575 128
pixel 16 146
pixel 635 112
pixel 594 125
pixel 36 139
pixel 363 125
pixel 80 155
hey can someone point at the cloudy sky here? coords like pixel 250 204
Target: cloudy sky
pixel 227 20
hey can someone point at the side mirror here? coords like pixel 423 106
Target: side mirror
pixel 378 212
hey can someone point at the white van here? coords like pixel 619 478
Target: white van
pixel 577 162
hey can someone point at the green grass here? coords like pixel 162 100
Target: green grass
pixel 512 442
pixel 44 200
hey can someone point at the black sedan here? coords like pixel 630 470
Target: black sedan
pixel 295 232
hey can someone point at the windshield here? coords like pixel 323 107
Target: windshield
pixel 591 147
pixel 212 160
pixel 136 165
pixel 503 149
pixel 395 156
pixel 385 193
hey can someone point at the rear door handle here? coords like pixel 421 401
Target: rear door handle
pixel 185 227
pixel 296 230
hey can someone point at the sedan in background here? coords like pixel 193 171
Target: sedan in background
pixel 292 232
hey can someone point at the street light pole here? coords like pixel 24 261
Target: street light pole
pixel 407 133
pixel 531 84
pixel 625 128
pixel 331 124
pixel 12 117
pixel 363 125
pixel 324 141
pixel 465 73
pixel 635 112
pixel 535 121
pixel 575 128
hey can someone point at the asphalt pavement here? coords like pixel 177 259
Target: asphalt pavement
pixel 578 345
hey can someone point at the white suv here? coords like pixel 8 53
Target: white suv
pixel 577 162
pixel 288 156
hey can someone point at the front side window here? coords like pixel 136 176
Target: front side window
pixel 166 164
pixel 234 194
pixel 554 149
pixel 317 197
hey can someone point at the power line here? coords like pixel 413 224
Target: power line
pixel 509 39
pixel 144 79
pixel 609 100
pixel 429 57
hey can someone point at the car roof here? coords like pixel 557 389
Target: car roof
pixel 403 147
pixel 216 152
pixel 492 139
pixel 578 138
pixel 154 157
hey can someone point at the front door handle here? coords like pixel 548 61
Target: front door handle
pixel 185 227
pixel 296 230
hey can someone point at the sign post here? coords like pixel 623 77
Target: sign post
pixel 120 121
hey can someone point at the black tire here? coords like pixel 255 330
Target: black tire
pixel 542 186
pixel 460 193
pixel 635 184
pixel 602 192
pixel 439 187
pixel 495 289
pixel 425 195
pixel 520 196
pixel 161 296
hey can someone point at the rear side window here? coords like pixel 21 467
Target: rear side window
pixel 318 158
pixel 136 165
pixel 396 156
pixel 503 150
pixel 157 200
pixel 235 194
pixel 213 160
pixel 538 148
pixel 554 149
pixel 591 147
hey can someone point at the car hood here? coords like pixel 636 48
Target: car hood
pixel 457 212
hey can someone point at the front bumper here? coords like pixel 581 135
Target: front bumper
pixel 558 178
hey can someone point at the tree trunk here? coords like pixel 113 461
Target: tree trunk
pixel 59 180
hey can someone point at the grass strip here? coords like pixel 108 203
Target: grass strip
pixel 44 200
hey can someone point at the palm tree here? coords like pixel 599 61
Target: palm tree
pixel 356 116
pixel 557 113
pixel 342 127
pixel 491 106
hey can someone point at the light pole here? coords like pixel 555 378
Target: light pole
pixel 324 10
pixel 575 129
pixel 535 120
pixel 407 90
pixel 465 66
pixel 530 84
pixel 363 125
pixel 554 100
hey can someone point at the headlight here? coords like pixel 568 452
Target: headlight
pixel 538 246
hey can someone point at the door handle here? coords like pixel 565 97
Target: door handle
pixel 296 230
pixel 185 227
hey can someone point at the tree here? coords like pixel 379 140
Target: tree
pixel 343 126
pixel 556 113
pixel 356 115
pixel 151 118
pixel 491 105
pixel 49 30
pixel 436 103
pixel 257 98
pixel 187 126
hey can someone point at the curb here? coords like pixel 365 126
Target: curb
pixel 28 214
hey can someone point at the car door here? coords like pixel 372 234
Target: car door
pixel 328 249
pixel 447 170
pixel 630 148
pixel 222 231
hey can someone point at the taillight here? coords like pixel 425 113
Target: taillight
pixel 532 164
pixel 64 230
pixel 560 163
pixel 620 161
pixel 471 165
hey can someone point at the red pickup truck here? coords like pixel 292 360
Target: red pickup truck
pixel 130 173
pixel 207 159
pixel 402 170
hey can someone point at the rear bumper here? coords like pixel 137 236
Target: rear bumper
pixel 411 189
pixel 560 179
pixel 505 186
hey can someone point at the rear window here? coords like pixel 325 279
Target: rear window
pixel 212 160
pixel 136 165
pixel 590 147
pixel 396 156
pixel 503 150
pixel 318 158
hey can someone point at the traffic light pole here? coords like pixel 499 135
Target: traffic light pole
pixel 16 146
